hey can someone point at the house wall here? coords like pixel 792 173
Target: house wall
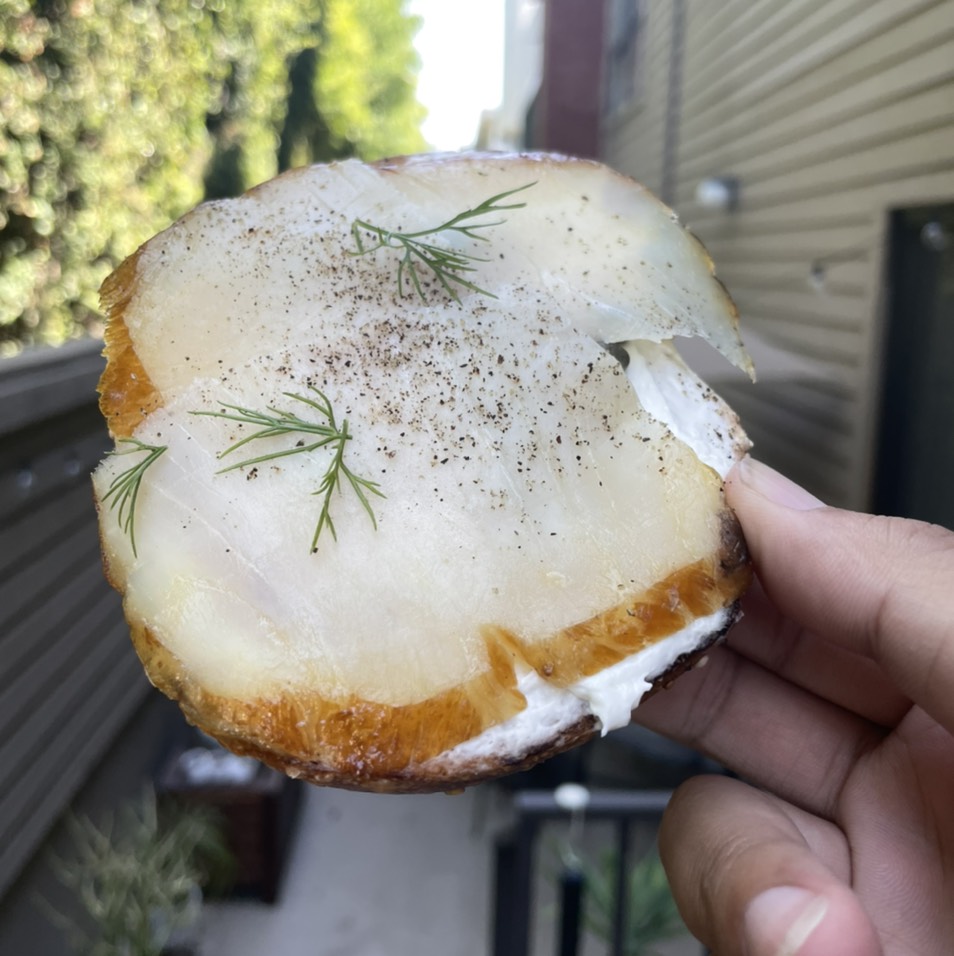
pixel 830 113
pixel 567 111
pixel 633 137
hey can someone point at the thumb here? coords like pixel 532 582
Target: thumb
pixel 749 875
pixel 883 587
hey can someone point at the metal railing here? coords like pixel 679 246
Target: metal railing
pixel 515 873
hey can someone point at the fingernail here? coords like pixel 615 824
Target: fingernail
pixel 779 921
pixel 775 486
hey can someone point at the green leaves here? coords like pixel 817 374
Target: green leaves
pixel 651 911
pixel 139 875
pixel 100 135
pixel 365 79
pixel 117 117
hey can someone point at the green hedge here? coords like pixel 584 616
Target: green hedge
pixel 116 116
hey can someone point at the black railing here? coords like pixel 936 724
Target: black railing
pixel 515 866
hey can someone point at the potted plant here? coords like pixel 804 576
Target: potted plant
pixel 651 915
pixel 139 876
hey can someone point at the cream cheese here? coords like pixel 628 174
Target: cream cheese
pixel 610 696
pixel 615 691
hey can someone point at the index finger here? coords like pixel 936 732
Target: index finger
pixel 883 587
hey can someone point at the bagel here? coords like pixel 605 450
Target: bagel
pixel 410 487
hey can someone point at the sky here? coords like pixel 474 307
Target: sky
pixel 460 44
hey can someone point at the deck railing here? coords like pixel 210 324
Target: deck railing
pixel 518 861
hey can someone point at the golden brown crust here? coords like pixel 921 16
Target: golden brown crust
pixel 666 608
pixel 126 393
pixel 364 745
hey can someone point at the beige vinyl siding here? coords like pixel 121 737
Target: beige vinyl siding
pixel 639 126
pixel 830 113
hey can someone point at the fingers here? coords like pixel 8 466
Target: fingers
pixel 755 878
pixel 831 671
pixel 880 587
pixel 766 729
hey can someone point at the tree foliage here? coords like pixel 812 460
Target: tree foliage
pixel 116 116
pixel 364 79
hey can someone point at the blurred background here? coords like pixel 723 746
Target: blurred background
pixel 808 143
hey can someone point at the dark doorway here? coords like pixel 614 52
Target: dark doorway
pixel 915 476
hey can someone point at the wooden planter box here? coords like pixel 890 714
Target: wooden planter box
pixel 259 818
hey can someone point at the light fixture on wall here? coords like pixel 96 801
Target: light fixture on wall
pixel 718 192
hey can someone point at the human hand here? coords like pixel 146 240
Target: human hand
pixel 834 699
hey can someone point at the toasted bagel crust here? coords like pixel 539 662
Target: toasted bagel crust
pixel 327 742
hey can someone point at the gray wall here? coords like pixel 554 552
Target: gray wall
pixel 70 683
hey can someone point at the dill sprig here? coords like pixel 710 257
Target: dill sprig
pixel 275 422
pixel 124 488
pixel 451 266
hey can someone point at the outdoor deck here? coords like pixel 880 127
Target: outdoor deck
pixel 370 875
pixel 373 875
